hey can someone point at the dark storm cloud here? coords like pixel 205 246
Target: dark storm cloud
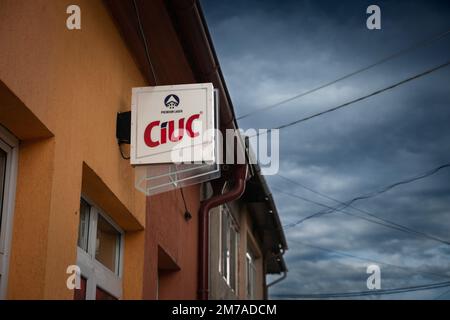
pixel 272 50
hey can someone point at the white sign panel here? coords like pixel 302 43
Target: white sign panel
pixel 171 124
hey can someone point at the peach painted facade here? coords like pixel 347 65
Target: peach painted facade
pixel 60 92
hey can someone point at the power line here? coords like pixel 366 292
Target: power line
pixel 366 96
pixel 381 61
pixel 355 100
pixel 291 225
pixel 374 194
pixel 387 223
pixel 365 293
pixel 442 295
pixel 344 254
pixel 144 40
pixel 149 61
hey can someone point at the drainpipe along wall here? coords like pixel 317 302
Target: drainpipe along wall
pixel 240 175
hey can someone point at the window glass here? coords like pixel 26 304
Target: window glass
pixel 80 294
pixel 224 240
pixel 2 181
pixel 83 227
pixel 249 285
pixel 101 294
pixel 107 245
pixel 233 257
pixel 99 255
pixel 229 247
pixel 251 275
pixel 8 165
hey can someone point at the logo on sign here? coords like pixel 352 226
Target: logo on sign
pixel 171 101
pixel 172 134
pixel 173 119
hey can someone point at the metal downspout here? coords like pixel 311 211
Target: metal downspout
pixel 236 192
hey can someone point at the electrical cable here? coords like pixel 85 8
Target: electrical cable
pixel 374 194
pixel 365 293
pixel 144 39
pixel 184 200
pixel 355 100
pixel 344 254
pixel 187 214
pixel 442 295
pixel 387 223
pixel 417 76
pixel 381 61
pixel 147 53
pixel 121 152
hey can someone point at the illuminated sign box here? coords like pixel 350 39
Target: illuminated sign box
pixel 173 124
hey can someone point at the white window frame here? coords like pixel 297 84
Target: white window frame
pixel 95 273
pixel 225 210
pixel 10 145
pixel 250 274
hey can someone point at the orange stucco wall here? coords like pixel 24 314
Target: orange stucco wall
pixel 74 83
pixel 174 277
pixel 60 91
pixel 178 239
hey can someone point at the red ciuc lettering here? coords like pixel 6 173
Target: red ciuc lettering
pixel 163 133
pixel 191 133
pixel 148 135
pixel 172 136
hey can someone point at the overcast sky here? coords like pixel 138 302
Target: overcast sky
pixel 272 50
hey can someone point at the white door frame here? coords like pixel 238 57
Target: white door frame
pixel 10 145
pixel 95 273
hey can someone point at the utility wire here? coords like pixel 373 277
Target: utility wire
pixel 381 61
pixel 355 100
pixel 121 152
pixel 144 40
pixel 365 293
pixel 184 200
pixel 417 76
pixel 155 78
pixel 387 223
pixel 291 225
pixel 374 194
pixel 442 295
pixel 344 254
pixel 147 53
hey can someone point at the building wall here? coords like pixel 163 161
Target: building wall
pixel 171 266
pixel 74 82
pixel 219 289
pixel 67 87
pixel 253 242
pixel 173 245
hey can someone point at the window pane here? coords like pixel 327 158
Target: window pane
pixel 233 257
pixel 107 246
pixel 224 240
pixel 251 275
pixel 83 227
pixel 249 287
pixel 2 181
pixel 101 294
pixel 80 294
